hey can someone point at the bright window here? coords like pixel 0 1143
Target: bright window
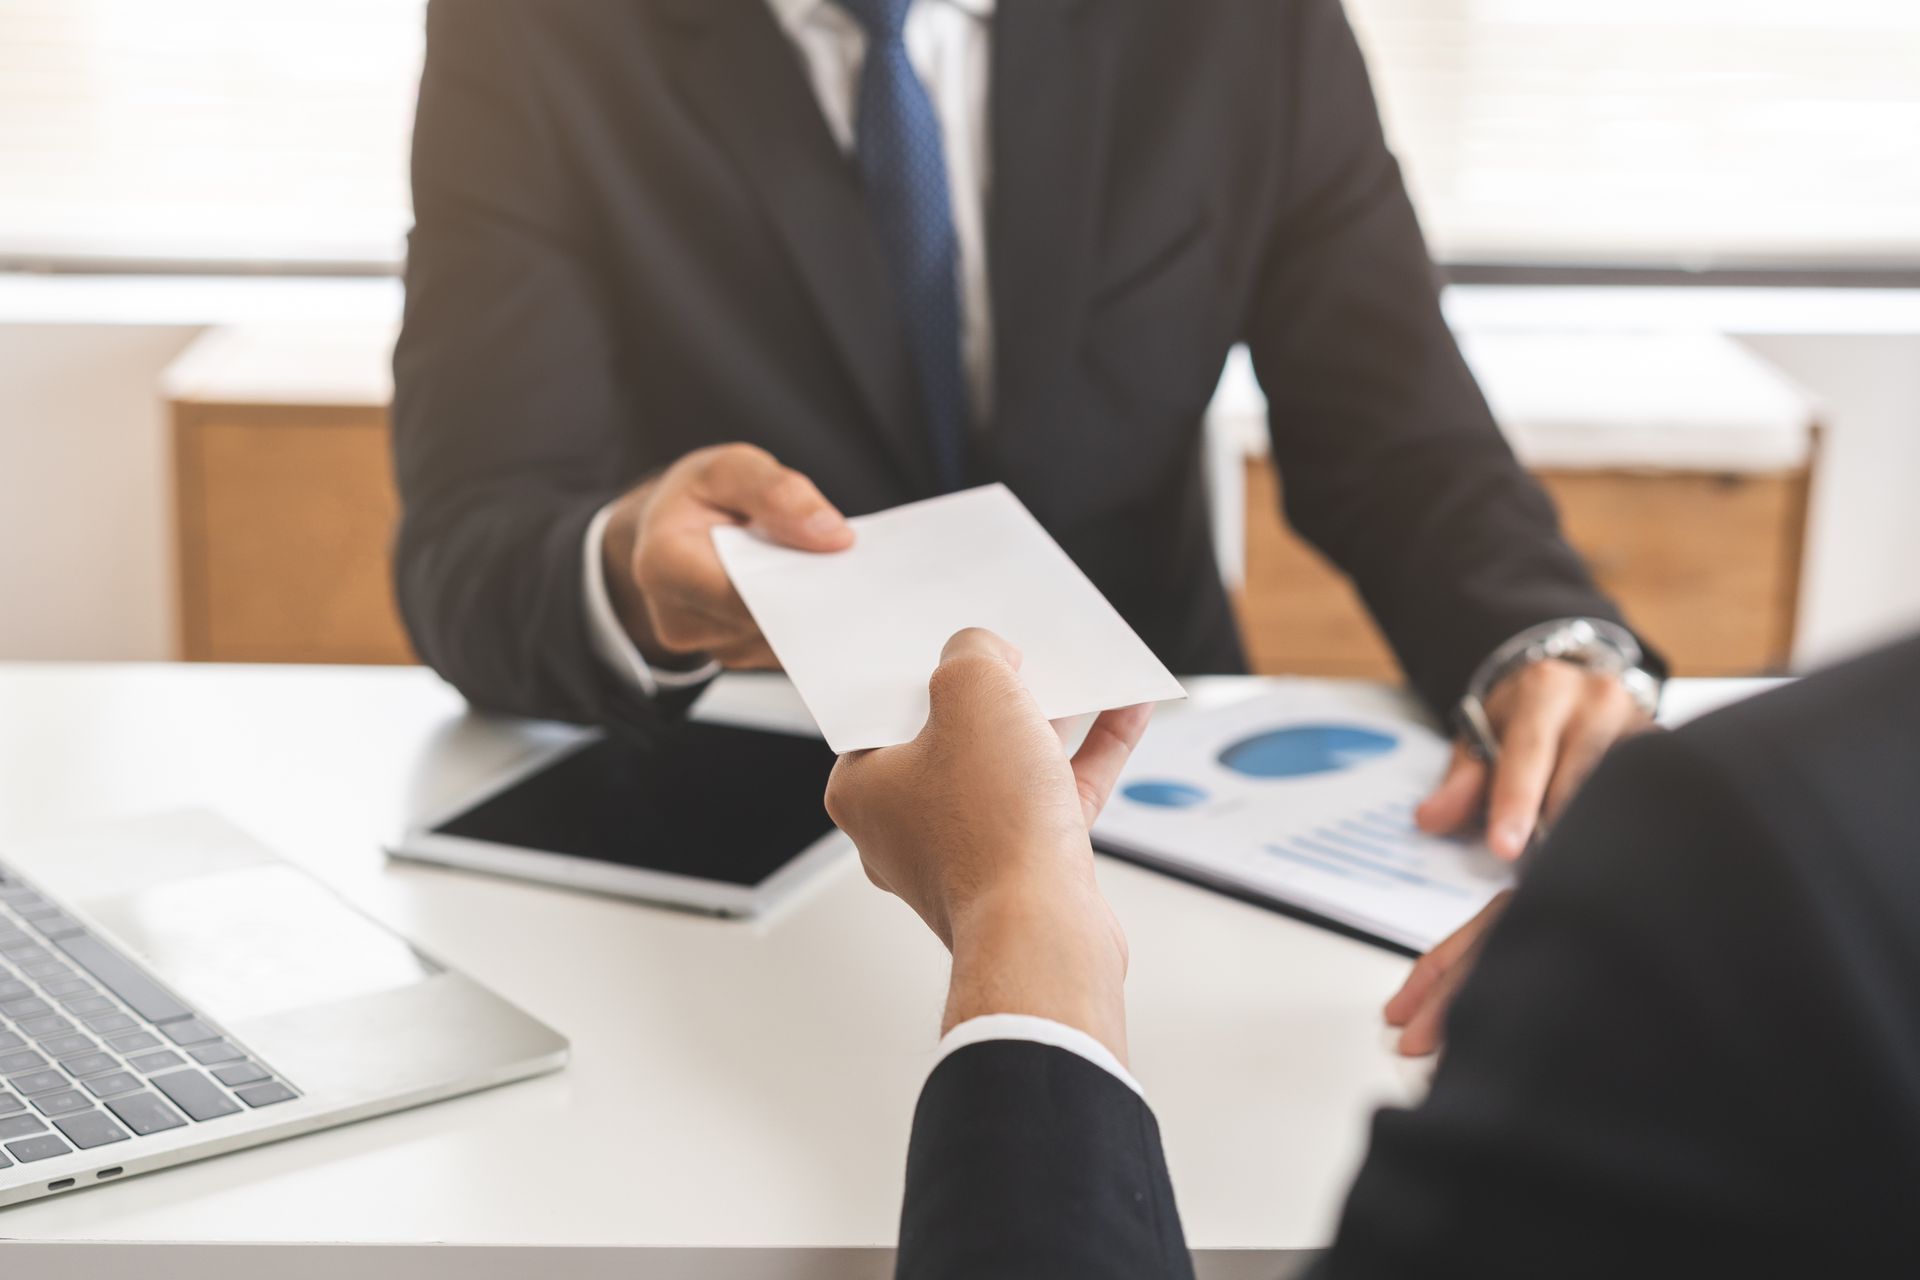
pixel 1686 133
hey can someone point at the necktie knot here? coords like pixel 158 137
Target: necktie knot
pixel 884 20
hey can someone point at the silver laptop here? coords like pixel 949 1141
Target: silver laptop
pixel 170 990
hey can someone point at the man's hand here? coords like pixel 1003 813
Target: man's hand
pixel 1420 1007
pixel 663 575
pixel 980 824
pixel 1554 721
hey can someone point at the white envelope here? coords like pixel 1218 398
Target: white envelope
pixel 859 631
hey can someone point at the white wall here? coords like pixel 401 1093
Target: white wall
pixel 1863 556
pixel 86 557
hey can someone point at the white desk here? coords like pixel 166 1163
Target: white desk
pixel 746 1086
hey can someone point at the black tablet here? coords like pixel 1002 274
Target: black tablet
pixel 706 816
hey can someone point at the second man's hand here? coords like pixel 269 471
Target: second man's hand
pixel 980 824
pixel 666 582
pixel 1554 721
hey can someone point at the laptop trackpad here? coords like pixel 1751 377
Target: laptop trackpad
pixel 258 940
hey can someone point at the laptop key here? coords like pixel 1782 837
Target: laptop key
pixel 59 1104
pixel 13 989
pixel 117 974
pixel 194 1094
pixel 133 1042
pixel 264 1095
pixel 21 1126
pixel 27 1150
pixel 191 1031
pixel 89 1064
pixel 143 1113
pixel 160 1060
pixel 68 987
pixel 51 1025
pixel 68 1046
pixel 8 1040
pixel 48 970
pixel 83 1005
pixel 107 1086
pixel 94 1129
pixel 37 1082
pixel 219 1051
pixel 25 1007
pixel 101 1024
pixel 58 925
pixel 20 1060
pixel 10 1104
pixel 239 1073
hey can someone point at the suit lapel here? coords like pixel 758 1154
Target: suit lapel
pixel 1051 77
pixel 741 75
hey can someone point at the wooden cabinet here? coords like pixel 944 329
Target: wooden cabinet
pixel 285 502
pixel 287 511
pixel 1706 565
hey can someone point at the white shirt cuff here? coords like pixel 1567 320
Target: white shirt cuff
pixel 610 641
pixel 1022 1026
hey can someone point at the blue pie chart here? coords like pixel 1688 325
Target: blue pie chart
pixel 1297 751
pixel 1163 794
pixel 1303 750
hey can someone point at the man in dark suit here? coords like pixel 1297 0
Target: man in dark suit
pixel 1690 1048
pixel 687 262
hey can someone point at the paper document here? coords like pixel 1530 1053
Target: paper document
pixel 859 631
pixel 1305 796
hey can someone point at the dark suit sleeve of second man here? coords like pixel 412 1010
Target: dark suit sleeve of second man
pixel 1030 1163
pixel 509 412
pixel 1389 459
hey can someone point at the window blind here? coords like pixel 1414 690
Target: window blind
pixel 1672 133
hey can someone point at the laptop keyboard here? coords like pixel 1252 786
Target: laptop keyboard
pixel 93 1051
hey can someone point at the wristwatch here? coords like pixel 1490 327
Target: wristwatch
pixel 1592 643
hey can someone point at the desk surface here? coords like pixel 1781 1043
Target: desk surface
pixel 745 1085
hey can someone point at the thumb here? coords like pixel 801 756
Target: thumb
pixel 977 669
pixel 980 642
pixel 1456 801
pixel 747 482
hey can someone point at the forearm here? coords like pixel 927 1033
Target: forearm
pixel 1046 949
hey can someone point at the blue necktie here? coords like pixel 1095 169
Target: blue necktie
pixel 904 169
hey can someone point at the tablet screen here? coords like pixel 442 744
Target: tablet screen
pixel 702 800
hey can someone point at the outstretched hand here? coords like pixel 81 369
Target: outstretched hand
pixel 980 824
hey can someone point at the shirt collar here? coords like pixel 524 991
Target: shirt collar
pixel 792 13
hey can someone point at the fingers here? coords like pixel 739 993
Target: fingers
pixel 690 601
pixel 1419 1008
pixel 748 483
pixel 1429 968
pixel 1423 1031
pixel 1529 744
pixel 1609 715
pixel 1097 764
pixel 1456 801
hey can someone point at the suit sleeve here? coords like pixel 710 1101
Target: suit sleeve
pixel 509 412
pixel 1030 1163
pixel 1390 462
pixel 1665 1053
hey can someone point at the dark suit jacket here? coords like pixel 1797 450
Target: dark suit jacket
pixel 1691 1046
pixel 636 236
